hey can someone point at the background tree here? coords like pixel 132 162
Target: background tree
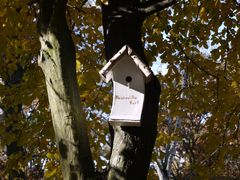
pixel 198 121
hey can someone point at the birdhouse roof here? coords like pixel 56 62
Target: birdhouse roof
pixel 106 73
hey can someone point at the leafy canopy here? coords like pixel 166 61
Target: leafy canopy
pixel 197 42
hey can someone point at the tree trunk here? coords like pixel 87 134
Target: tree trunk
pixel 57 60
pixel 132 146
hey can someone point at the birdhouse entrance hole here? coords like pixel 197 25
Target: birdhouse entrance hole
pixel 128 79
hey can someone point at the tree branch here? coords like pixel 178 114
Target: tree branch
pixel 76 8
pixel 32 2
pixel 197 65
pixel 153 6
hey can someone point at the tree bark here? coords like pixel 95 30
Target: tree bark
pixel 57 60
pixel 132 146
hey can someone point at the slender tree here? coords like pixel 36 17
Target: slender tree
pixel 57 60
pixel 132 147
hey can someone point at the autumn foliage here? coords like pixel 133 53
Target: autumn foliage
pixel 193 48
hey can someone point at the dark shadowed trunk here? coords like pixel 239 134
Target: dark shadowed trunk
pixel 132 146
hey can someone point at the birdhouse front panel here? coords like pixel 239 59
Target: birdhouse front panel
pixel 129 75
pixel 128 93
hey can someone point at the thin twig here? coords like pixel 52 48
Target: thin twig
pixel 76 8
pixel 197 65
pixel 32 2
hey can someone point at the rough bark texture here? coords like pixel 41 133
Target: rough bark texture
pixel 57 60
pixel 132 146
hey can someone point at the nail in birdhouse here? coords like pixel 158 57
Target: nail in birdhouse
pixel 129 75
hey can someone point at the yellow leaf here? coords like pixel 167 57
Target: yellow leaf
pixel 195 2
pixel 156 31
pixel 50 173
pixel 234 84
pixel 56 156
pixel 49 164
pixel 19 25
pixel 50 156
pixel 78 66
pixel 202 13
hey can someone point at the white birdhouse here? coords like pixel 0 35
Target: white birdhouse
pixel 129 75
